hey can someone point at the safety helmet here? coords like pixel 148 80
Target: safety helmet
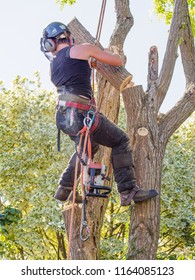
pixel 51 34
pixel 54 29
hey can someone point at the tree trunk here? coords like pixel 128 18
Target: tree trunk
pixel 89 249
pixel 150 132
pixel 148 156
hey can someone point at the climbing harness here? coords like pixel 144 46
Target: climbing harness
pixel 80 106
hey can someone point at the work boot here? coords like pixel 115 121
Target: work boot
pixel 137 195
pixel 63 193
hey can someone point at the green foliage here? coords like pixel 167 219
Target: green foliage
pixel 64 2
pixel 8 216
pixel 177 235
pixel 114 235
pixel 164 9
pixel 30 168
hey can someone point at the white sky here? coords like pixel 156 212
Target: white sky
pixel 22 22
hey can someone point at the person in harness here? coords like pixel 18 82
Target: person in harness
pixel 71 75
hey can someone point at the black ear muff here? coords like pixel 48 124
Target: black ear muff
pixel 50 45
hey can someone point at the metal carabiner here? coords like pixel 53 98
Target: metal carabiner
pixel 84 231
pixel 88 120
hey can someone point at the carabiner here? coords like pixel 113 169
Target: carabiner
pixel 84 227
pixel 89 119
pixel 87 122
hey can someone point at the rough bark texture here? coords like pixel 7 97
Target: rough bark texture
pixel 143 132
pixel 148 130
pixel 88 250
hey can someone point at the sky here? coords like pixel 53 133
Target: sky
pixel 22 23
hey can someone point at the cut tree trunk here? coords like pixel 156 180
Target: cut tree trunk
pixel 148 156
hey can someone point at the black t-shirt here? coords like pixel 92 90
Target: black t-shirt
pixel 73 74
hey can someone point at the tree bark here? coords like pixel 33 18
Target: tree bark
pixel 89 249
pixel 148 155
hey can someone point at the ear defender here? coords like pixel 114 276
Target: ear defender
pixel 50 45
pixel 71 40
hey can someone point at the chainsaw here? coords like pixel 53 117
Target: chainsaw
pixel 94 177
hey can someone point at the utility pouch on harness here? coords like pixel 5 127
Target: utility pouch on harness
pixel 68 122
pixel 94 179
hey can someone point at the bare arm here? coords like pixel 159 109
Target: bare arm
pixel 86 51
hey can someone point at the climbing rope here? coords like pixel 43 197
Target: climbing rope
pixel 97 38
pixel 100 23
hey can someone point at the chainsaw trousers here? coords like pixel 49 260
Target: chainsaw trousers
pixel 106 134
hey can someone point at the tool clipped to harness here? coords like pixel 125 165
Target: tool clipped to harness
pixel 94 179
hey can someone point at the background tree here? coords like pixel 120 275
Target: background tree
pixel 30 166
pixel 177 232
pixel 149 131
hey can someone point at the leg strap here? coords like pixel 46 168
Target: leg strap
pixel 132 193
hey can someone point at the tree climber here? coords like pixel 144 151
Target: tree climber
pixel 71 74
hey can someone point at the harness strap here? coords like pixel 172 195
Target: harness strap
pixel 80 106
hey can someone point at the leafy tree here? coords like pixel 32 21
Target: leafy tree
pixel 164 9
pixel 30 167
pixel 177 237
